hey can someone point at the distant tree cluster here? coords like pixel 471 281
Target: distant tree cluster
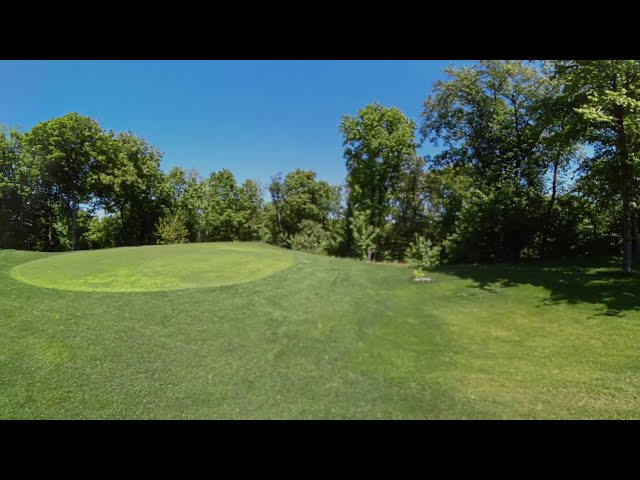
pixel 537 160
pixel 67 184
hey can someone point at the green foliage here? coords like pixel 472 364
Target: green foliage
pixel 498 190
pixel 103 232
pixel 422 253
pixel 311 237
pixel 221 216
pixel 14 212
pixel 365 235
pixel 489 119
pixel 171 229
pixel 250 205
pixel 67 152
pixel 419 273
pixel 300 201
pixel 605 95
pixel 131 185
pixel 378 142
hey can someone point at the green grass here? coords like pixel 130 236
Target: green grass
pixel 143 269
pixel 317 337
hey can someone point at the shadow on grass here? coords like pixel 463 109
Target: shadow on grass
pixel 598 281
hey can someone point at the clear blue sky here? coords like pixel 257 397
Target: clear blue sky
pixel 255 118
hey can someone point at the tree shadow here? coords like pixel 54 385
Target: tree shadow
pixel 593 281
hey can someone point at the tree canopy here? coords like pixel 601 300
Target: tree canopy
pixel 534 161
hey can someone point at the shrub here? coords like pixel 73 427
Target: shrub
pixel 422 253
pixel 311 238
pixel 419 273
pixel 365 236
pixel 103 232
pixel 171 229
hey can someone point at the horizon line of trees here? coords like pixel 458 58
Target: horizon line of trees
pixel 511 135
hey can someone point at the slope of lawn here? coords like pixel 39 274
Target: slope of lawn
pixel 306 336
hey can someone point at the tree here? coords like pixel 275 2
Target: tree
pixel 171 229
pixel 68 149
pixel 378 142
pixel 221 217
pixel 560 140
pixel 409 215
pixel 311 237
pixel 488 119
pixel 365 235
pixel 177 184
pixel 606 94
pixel 12 192
pixel 296 198
pixel 129 183
pixel 250 204
pixel 185 196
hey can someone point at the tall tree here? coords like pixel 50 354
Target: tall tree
pixel 221 206
pixel 250 204
pixel 409 205
pixel 378 142
pixel 68 148
pixel 607 98
pixel 297 198
pixel 560 141
pixel 488 118
pixel 129 183
pixel 12 192
pixel 184 194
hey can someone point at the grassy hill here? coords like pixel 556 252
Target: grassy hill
pixel 241 330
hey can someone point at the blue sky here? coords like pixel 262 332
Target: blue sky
pixel 255 118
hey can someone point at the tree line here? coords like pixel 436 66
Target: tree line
pixel 536 160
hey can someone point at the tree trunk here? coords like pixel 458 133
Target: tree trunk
pixel 348 236
pixel 49 227
pixel 74 225
pixel 122 227
pixel 625 185
pixel 635 233
pixel 554 190
pixel 626 234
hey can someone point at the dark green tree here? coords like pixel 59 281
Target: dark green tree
pixel 487 118
pixel 296 198
pixel 378 142
pixel 606 94
pixel 130 184
pixel 67 151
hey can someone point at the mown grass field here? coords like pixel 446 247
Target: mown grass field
pixel 251 331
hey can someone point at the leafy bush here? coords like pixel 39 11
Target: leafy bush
pixel 419 273
pixel 422 253
pixel 311 238
pixel 365 236
pixel 103 232
pixel 171 229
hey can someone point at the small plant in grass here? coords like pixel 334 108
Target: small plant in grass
pixel 422 253
pixel 420 275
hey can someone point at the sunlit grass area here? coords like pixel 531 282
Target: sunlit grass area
pixel 259 332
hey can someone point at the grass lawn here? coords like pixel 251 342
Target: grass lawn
pixel 124 333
